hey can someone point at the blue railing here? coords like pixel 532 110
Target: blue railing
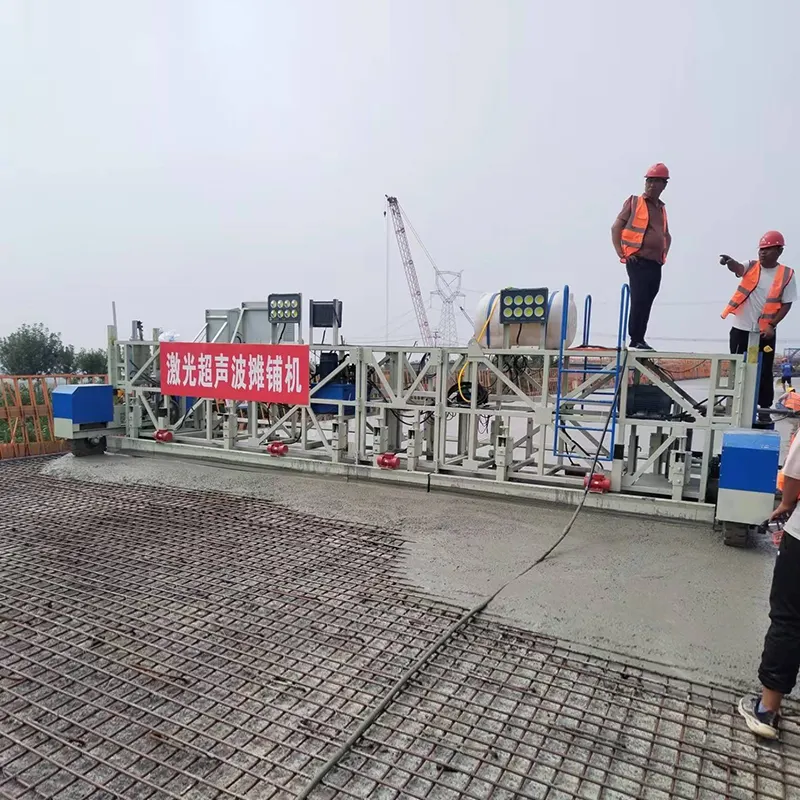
pixel 587 320
pixel 624 310
pixel 587 327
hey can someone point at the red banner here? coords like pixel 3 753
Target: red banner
pixel 263 372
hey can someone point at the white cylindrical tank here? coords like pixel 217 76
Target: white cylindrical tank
pixel 526 335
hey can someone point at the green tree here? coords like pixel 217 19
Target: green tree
pixel 34 350
pixel 92 362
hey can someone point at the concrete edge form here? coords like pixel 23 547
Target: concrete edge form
pixel 620 503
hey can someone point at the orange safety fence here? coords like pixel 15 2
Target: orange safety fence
pixel 26 413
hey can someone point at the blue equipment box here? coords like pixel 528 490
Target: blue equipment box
pixel 84 403
pixel 750 461
pixel 334 391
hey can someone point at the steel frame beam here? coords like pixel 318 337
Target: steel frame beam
pixel 409 410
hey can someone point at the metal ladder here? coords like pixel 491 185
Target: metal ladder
pixel 603 399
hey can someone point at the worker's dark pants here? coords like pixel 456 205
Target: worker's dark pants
pixel 766 388
pixel 786 382
pixel 780 660
pixel 644 278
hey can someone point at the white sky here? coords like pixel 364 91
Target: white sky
pixel 177 155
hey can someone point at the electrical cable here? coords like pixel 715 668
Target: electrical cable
pixel 397 325
pixel 465 618
pixel 453 395
pixel 419 240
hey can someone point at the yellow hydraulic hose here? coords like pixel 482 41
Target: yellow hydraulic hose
pixel 477 339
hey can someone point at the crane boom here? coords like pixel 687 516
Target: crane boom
pixel 411 272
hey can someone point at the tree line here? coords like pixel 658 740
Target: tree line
pixel 34 350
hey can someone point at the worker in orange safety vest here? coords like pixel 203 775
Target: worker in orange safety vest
pixel 790 400
pixel 641 238
pixel 763 298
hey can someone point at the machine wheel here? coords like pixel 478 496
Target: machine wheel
pixel 89 447
pixel 734 534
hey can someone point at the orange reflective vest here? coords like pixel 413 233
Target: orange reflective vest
pixel 636 227
pixel 792 401
pixel 749 281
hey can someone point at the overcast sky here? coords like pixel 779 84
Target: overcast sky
pixel 180 155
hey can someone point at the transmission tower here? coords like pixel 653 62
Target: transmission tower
pixel 448 290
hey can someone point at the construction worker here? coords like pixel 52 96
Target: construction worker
pixel 786 374
pixel 641 239
pixel 780 660
pixel 790 400
pixel 765 294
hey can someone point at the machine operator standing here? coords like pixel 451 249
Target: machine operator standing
pixel 765 294
pixel 641 238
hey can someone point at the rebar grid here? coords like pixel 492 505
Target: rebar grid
pixel 159 643
pixel 203 643
pixel 500 713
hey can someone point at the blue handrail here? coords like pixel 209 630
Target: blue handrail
pixel 624 310
pixel 758 386
pixel 560 370
pixel 587 320
pixel 564 320
pixel 587 326
pixel 622 331
pixel 622 374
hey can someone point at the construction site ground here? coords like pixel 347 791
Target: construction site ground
pixel 172 629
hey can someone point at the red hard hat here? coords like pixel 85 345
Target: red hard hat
pixel 658 171
pixel 772 239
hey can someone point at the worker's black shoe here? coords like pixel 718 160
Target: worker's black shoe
pixel 639 346
pixel 761 723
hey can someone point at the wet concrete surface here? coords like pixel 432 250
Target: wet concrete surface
pixel 663 592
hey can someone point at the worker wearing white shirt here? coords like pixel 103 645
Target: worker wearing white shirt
pixel 765 294
pixel 780 660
